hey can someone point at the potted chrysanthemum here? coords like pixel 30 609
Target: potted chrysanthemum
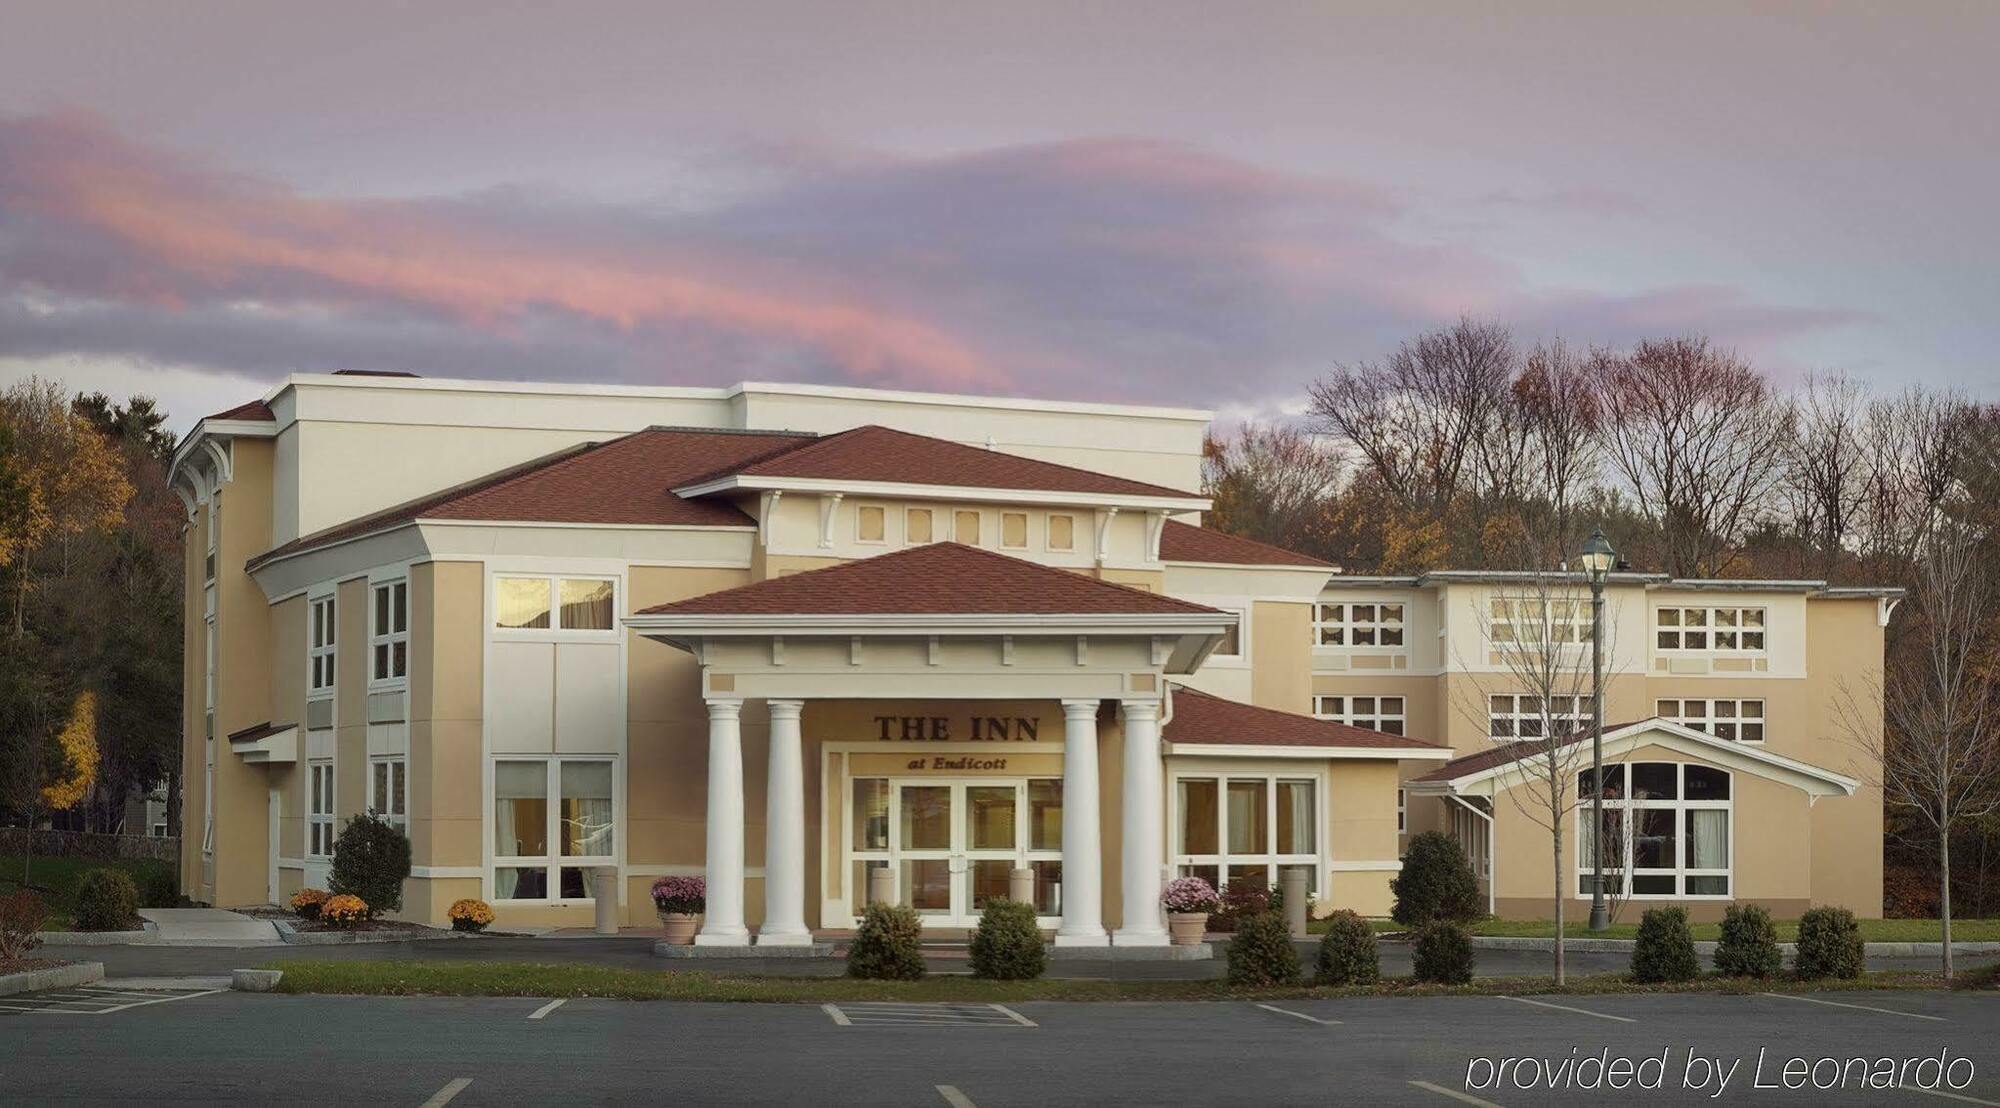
pixel 680 900
pixel 1188 901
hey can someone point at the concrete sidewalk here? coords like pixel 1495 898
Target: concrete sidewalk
pixel 206 927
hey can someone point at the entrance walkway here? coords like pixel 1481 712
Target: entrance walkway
pixel 208 927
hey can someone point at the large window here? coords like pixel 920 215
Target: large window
pixel 319 646
pixel 319 809
pixel 544 850
pixel 1666 831
pixel 1538 621
pixel 1710 630
pixel 1247 828
pixel 388 790
pixel 554 604
pixel 1735 720
pixel 1359 624
pixel 1376 713
pixel 1518 716
pixel 389 632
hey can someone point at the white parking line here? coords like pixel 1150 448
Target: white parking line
pixel 953 1097
pixel 1454 1094
pixel 443 1096
pixel 1299 1015
pixel 839 1017
pixel 1949 1096
pixel 1016 1016
pixel 1567 1008
pixel 547 1008
pixel 1857 1007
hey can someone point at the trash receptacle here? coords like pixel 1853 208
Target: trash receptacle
pixel 1292 882
pixel 604 886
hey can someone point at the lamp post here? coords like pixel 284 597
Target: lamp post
pixel 1598 558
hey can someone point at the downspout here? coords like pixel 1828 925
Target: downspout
pixel 1492 869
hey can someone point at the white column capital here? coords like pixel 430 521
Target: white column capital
pixel 785 709
pixel 1079 709
pixel 725 709
pixel 1148 709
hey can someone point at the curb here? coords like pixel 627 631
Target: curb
pixel 54 977
pixel 255 980
pixel 148 933
pixel 292 936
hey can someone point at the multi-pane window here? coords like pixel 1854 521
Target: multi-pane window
pixel 1715 630
pixel 388 790
pixel 1062 532
pixel 554 604
pixel 319 809
pixel 1666 835
pixel 1367 623
pixel 553 819
pixel 1376 713
pixel 389 632
pixel 1246 829
pixel 1523 716
pixel 1402 811
pixel 1735 720
pixel 1538 620
pixel 319 646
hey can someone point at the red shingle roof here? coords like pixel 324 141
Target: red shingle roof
pixel 254 410
pixel 1502 754
pixel 881 454
pixel 1201 718
pixel 627 481
pixel 943 578
pixel 1183 542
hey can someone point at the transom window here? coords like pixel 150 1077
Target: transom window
pixel 1715 630
pixel 1522 716
pixel 543 850
pixel 1376 713
pixel 389 632
pixel 319 809
pixel 1368 623
pixel 1248 828
pixel 1735 720
pixel 1666 831
pixel 554 603
pixel 388 790
pixel 319 646
pixel 1538 620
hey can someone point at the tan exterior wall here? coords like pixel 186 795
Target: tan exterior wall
pixel 288 703
pixel 447 618
pixel 350 737
pixel 243 680
pixel 1846 637
pixel 1360 827
pixel 1280 651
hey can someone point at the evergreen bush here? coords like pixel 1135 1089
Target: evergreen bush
pixel 1436 883
pixel 1347 952
pixel 1749 946
pixel 1829 944
pixel 888 946
pixel 1443 954
pixel 1008 945
pixel 371 859
pixel 1665 950
pixel 1261 952
pixel 160 887
pixel 106 900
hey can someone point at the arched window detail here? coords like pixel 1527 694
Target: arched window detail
pixel 1666 831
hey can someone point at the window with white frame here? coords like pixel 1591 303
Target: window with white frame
pixel 319 808
pixel 1360 623
pixel 1014 530
pixel 1402 811
pixel 319 646
pixel 1246 827
pixel 1666 831
pixel 553 819
pixel 389 632
pixel 214 528
pixel 1734 720
pixel 871 523
pixel 1710 630
pixel 554 603
pixel 1062 532
pixel 917 526
pixel 388 789
pixel 1511 716
pixel 1376 713
pixel 1538 620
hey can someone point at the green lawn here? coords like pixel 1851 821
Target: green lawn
pixel 56 879
pixel 1872 930
pixel 399 978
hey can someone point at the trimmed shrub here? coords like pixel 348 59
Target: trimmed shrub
pixel 1749 946
pixel 106 900
pixel 1261 951
pixel 1436 883
pixel 344 910
pixel 887 947
pixel 1347 952
pixel 1008 945
pixel 1443 954
pixel 21 915
pixel 1241 900
pixel 1829 944
pixel 159 887
pixel 371 859
pixel 1665 950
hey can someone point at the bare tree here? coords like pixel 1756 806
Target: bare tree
pixel 1918 442
pixel 1270 482
pixel 1932 731
pixel 1690 428
pixel 1537 632
pixel 1825 468
pixel 1559 409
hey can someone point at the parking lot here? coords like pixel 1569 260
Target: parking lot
pixel 237 1048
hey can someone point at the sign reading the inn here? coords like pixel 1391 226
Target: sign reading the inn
pixel 938 729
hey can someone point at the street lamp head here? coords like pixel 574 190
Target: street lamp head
pixel 1598 556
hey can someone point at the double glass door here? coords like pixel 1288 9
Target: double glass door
pixel 952 845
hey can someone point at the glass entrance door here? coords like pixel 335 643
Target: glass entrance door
pixel 952 845
pixel 923 850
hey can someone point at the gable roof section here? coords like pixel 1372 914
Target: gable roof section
pixel 1478 772
pixel 624 482
pixel 1201 720
pixel 944 578
pixel 880 455
pixel 255 411
pixel 1184 542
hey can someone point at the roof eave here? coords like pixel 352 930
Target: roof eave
pixel 909 490
pixel 1288 750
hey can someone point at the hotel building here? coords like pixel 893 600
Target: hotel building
pixel 573 638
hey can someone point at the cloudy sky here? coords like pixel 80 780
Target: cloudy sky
pixel 1190 203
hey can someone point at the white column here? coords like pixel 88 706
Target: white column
pixel 722 924
pixel 1145 852
pixel 785 833
pixel 1082 869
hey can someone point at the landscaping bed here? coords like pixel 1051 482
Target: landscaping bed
pixel 1872 930
pixel 54 879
